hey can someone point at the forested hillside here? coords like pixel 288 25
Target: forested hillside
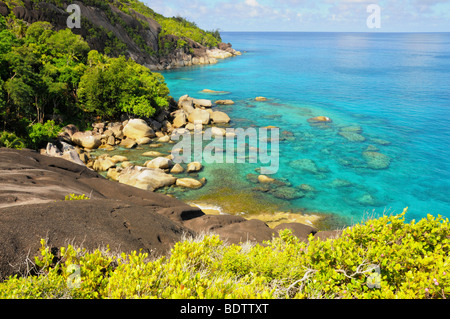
pixel 51 75
pixel 117 28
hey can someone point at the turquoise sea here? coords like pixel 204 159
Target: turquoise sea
pixel 387 147
pixel 393 89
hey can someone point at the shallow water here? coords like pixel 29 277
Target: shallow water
pixel 393 89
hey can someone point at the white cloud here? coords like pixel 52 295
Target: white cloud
pixel 252 3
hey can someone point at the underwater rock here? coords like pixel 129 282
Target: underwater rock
pixel 252 177
pixel 307 188
pixel 367 200
pixel 352 136
pixel 262 188
pixel 340 183
pixel 380 141
pixel 153 154
pixel 376 160
pixel 352 162
pixel 271 116
pixel 286 192
pixel 260 98
pixel 372 148
pixel 305 165
pixel 352 128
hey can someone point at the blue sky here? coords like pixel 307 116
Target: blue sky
pixel 309 15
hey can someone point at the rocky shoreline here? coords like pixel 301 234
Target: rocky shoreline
pixel 33 189
pixel 123 211
pixel 160 171
pixel 199 55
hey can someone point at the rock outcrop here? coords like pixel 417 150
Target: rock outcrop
pixel 32 206
pixel 139 36
pixel 32 190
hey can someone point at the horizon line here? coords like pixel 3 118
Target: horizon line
pixel 249 31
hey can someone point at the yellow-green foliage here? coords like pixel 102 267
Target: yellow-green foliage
pixel 413 259
pixel 76 197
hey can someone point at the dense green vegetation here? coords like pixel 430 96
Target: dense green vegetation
pixel 412 258
pixel 111 86
pixel 50 78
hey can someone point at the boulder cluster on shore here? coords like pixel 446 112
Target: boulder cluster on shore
pixel 33 188
pixel 159 170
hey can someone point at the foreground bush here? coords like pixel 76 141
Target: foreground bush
pixel 41 134
pixel 381 258
pixel 11 140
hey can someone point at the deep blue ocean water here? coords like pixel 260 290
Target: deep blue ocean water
pixel 394 86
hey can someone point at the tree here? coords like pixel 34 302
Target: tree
pixel 42 71
pixel 66 44
pixel 2 104
pixel 20 96
pixel 25 87
pixel 38 32
pixel 7 41
pixel 41 134
pixel 112 86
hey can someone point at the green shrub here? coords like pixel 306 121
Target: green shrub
pixel 11 140
pixel 113 86
pixel 412 259
pixel 41 134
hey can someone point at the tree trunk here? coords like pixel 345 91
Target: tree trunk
pixel 40 115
